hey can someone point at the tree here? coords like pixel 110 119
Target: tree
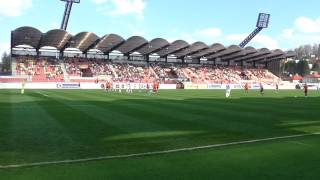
pixel 6 63
pixel 302 67
pixel 290 67
pixel 316 66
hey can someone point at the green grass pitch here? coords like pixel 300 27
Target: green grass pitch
pixel 55 125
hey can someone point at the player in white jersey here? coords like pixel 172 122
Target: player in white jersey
pixel 23 84
pixel 129 88
pixel 140 87
pixel 228 90
pixel 117 87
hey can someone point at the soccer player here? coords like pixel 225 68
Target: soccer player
pixel 129 89
pixel 277 87
pixel 228 91
pixel 111 86
pixel 305 87
pixel 140 87
pixel 23 84
pixel 148 88
pixel 261 89
pixel 107 86
pixel 155 87
pixel 246 88
pixel 120 88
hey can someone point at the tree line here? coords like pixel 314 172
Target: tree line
pixel 305 55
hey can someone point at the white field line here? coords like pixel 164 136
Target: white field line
pixel 151 153
pixel 46 95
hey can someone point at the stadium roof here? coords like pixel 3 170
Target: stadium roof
pixel 26 36
pixel 228 51
pixel 55 38
pixel 132 44
pixel 195 47
pixel 246 51
pixel 274 54
pixel 211 50
pixel 109 43
pixel 153 46
pixel 259 53
pixel 85 41
pixel 173 48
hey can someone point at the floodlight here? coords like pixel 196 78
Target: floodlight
pixel 263 20
pixel 74 1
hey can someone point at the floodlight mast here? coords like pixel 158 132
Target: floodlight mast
pixel 263 22
pixel 67 13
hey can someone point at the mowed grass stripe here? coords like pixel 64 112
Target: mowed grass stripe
pixel 153 153
pixel 40 132
pixel 258 161
pixel 85 129
pixel 111 113
pixel 117 120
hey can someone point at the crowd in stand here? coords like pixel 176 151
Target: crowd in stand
pixel 167 73
pixel 39 70
pixel 47 70
pixel 131 73
pixel 75 67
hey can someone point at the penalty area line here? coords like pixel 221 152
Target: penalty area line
pixel 39 164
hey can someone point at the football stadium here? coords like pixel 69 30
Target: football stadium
pixel 85 106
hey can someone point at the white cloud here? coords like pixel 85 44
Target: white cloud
pixel 209 33
pixel 121 7
pixel 14 8
pixel 187 37
pixel 304 30
pixel 99 1
pixel 260 41
pixel 308 25
pixel 288 33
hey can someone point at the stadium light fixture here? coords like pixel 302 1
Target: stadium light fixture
pixel 67 12
pixel 263 22
pixel 73 1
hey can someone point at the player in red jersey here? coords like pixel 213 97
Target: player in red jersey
pixel 155 87
pixel 158 86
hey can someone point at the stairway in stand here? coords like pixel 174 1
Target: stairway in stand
pixel 113 71
pixel 65 73
pixel 14 67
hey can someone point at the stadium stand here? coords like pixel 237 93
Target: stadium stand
pixel 88 70
pixel 158 60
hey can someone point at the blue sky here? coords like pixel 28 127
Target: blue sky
pixel 293 23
